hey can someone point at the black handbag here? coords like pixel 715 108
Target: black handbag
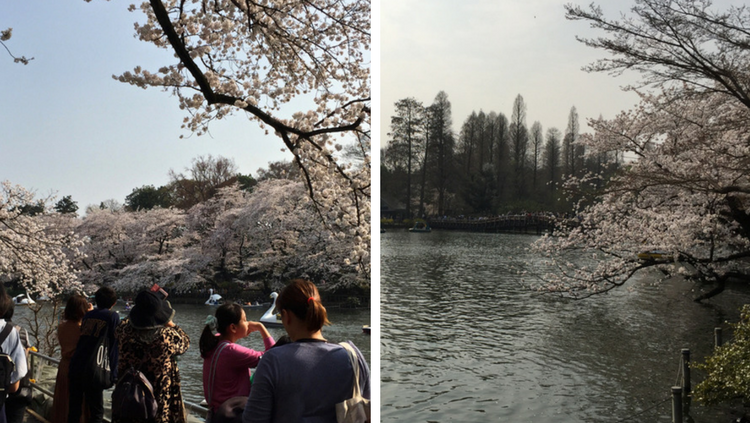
pixel 97 366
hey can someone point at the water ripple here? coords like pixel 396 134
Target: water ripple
pixel 463 339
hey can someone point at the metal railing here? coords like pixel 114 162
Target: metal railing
pixel 34 356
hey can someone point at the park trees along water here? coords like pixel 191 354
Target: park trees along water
pixel 264 237
pixel 301 71
pixel 683 193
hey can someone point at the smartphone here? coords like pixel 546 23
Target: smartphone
pixel 159 291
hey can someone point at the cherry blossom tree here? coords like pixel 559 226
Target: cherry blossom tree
pixel 269 235
pixel 674 42
pixel 214 225
pixel 256 58
pixel 108 246
pixel 288 241
pixel 133 250
pixel 685 194
pixel 39 255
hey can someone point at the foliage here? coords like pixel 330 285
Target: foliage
pixel 133 250
pixel 407 141
pixel 728 368
pixel 66 206
pixel 38 254
pixel 256 59
pixel 260 60
pixel 292 243
pixel 686 193
pixel 205 176
pixel 271 234
pixel 247 182
pixel 279 170
pixel 33 208
pixel 494 165
pixel 148 197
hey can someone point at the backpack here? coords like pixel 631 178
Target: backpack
pixel 133 397
pixel 7 366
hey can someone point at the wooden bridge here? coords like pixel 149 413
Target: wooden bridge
pixel 521 223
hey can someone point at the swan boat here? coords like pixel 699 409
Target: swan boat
pixel 420 227
pixel 269 318
pixel 654 255
pixel 23 299
pixel 214 299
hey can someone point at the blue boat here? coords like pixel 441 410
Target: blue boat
pixel 420 227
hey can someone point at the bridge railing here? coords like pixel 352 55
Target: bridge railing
pixel 495 222
pixel 38 360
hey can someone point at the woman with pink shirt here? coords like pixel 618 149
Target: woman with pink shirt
pixel 226 365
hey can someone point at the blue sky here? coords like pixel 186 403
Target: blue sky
pixel 483 53
pixel 68 128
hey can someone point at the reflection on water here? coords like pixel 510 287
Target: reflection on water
pixel 464 339
pixel 346 325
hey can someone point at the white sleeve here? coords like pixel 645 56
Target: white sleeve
pixel 18 354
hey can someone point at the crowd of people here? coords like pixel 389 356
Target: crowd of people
pixel 300 377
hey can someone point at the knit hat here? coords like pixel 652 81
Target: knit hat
pixel 150 311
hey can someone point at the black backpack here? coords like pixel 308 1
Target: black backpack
pixel 7 366
pixel 133 397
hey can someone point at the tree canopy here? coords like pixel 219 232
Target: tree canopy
pixel 685 193
pixel 256 58
pixel 40 255
pixel 66 205
pixel 728 367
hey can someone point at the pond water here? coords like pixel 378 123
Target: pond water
pixel 346 325
pixel 464 338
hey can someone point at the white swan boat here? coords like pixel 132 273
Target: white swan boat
pixel 269 318
pixel 214 299
pixel 23 299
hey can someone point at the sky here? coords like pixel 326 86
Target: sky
pixel 68 128
pixel 483 53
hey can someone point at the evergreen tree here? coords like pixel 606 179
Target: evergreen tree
pixel 66 206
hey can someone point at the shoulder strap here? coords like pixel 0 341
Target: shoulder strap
pixel 4 334
pixel 212 372
pixel 355 366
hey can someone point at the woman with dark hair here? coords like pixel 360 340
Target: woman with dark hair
pixel 68 332
pixel 226 364
pixel 305 379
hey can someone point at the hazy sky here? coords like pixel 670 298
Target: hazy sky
pixel 67 127
pixel 483 53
